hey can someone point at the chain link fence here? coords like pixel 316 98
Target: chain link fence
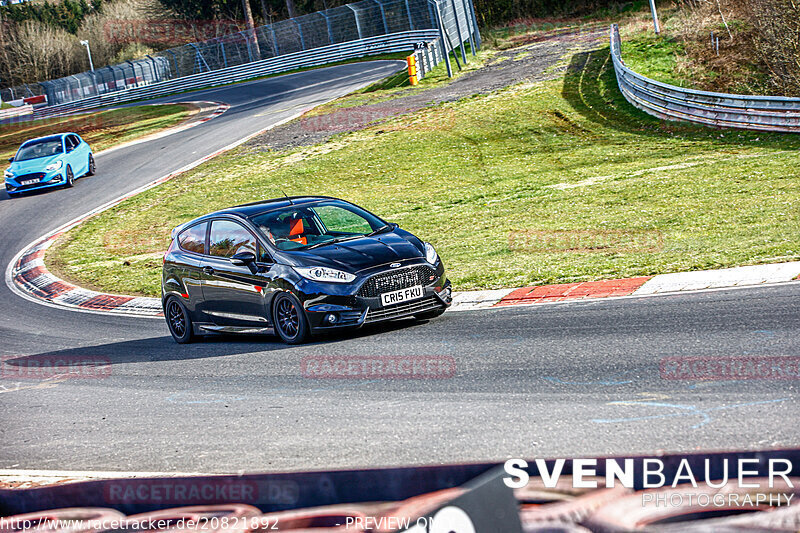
pixel 453 20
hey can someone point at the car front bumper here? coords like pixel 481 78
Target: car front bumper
pixel 354 310
pixel 54 178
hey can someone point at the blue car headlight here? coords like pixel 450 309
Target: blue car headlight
pixel 8 174
pixel 54 166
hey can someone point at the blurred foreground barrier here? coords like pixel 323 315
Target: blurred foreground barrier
pixel 472 496
pixel 751 112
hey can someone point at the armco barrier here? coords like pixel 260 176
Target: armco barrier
pixel 397 42
pixel 16 112
pixel 751 112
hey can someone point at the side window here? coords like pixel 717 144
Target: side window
pixel 263 255
pixel 194 239
pixel 75 141
pixel 70 142
pixel 340 220
pixel 229 238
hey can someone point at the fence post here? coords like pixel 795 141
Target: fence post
pixel 300 29
pixel 383 16
pixel 410 21
pixel 458 31
pixel 274 39
pixel 475 23
pixel 442 37
pixel 328 23
pixel 472 29
pixel 358 20
pixel 174 60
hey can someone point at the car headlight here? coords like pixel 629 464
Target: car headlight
pixel 430 253
pixel 8 174
pixel 54 166
pixel 325 274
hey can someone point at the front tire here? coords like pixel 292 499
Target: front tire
pixel 290 320
pixel 92 166
pixel 70 177
pixel 178 321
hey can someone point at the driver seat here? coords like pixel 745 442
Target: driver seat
pixel 296 230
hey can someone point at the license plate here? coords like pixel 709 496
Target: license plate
pixel 28 182
pixel 403 295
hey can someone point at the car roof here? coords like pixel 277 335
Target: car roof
pixel 57 136
pixel 257 208
pixel 263 206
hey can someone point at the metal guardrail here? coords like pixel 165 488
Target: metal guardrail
pixel 398 42
pixel 16 111
pixel 751 112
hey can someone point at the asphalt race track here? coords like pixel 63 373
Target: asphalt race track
pixel 567 379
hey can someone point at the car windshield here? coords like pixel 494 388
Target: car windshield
pixel 40 148
pixel 312 225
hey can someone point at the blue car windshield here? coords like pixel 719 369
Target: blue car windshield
pixel 37 149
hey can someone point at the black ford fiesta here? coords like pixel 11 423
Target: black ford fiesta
pixel 296 266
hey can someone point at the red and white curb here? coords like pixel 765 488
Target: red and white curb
pixel 746 276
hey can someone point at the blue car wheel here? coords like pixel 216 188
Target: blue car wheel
pixel 70 177
pixel 92 166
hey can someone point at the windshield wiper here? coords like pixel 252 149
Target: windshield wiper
pixel 380 230
pixel 334 241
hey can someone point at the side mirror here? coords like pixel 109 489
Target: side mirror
pixel 10 159
pixel 243 259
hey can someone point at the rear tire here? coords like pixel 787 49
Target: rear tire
pixel 92 166
pixel 178 321
pixel 70 177
pixel 289 319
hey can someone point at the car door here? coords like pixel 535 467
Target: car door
pixel 233 295
pixel 69 157
pixel 78 156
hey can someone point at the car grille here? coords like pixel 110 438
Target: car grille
pixel 396 280
pixel 431 303
pixel 37 176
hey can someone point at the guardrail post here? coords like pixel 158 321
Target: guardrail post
pixel 475 23
pixel 458 31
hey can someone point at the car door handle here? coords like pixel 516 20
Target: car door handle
pixel 208 270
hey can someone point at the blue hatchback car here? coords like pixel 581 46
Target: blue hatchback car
pixel 52 161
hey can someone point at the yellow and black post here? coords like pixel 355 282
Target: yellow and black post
pixel 412 69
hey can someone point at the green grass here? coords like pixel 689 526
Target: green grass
pixel 569 154
pixel 101 130
pixel 4 105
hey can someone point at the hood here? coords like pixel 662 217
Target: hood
pixel 362 253
pixel 33 165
